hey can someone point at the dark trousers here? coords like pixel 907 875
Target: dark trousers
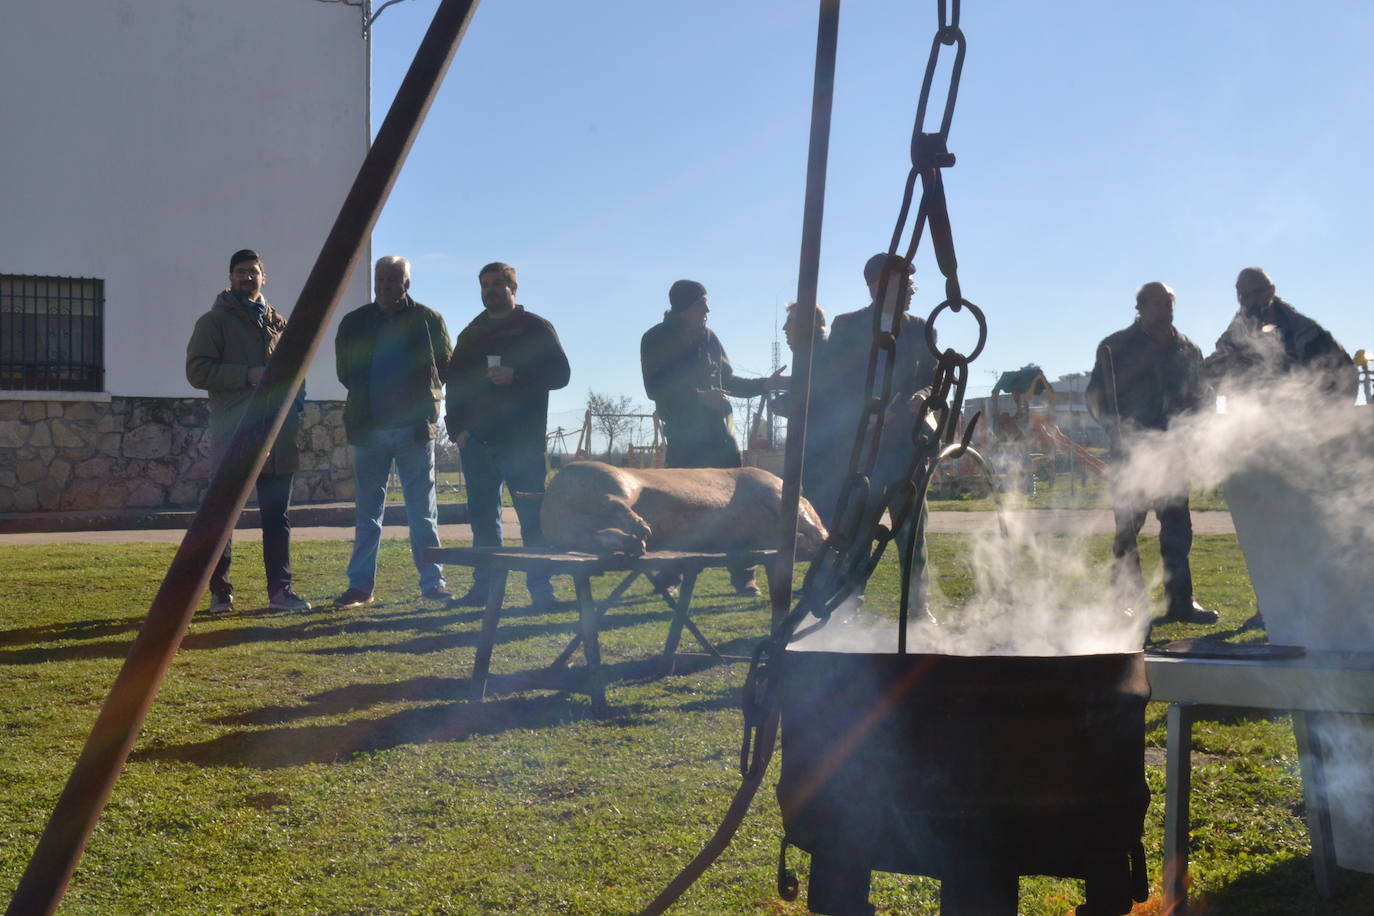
pixel 521 468
pixel 274 503
pixel 1175 542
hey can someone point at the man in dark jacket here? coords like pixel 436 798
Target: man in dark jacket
pixel 837 401
pixel 391 355
pixel 1143 377
pixel 690 380
pixel 504 365
pixel 226 356
pixel 1268 338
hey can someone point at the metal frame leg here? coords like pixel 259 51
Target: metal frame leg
pixel 1178 779
pixel 1315 799
pixel 481 665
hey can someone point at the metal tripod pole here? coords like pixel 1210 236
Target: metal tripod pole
pixel 121 717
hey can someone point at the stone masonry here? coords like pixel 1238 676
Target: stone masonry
pixel 142 453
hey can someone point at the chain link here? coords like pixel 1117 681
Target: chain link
pixel 859 539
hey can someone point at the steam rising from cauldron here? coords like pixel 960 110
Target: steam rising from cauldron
pixel 1043 595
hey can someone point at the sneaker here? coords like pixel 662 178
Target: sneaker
pixel 436 593
pixel 1192 612
pixel 473 597
pixel 354 597
pixel 221 602
pixel 748 588
pixel 287 600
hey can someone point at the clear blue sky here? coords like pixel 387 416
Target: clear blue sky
pixel 607 149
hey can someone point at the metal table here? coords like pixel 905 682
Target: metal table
pixel 582 567
pixel 1303 686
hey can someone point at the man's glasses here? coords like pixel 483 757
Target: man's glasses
pixel 245 273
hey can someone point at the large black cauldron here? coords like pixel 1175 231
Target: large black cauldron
pixel 973 770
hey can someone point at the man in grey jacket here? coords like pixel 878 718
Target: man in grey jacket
pixel 391 355
pixel 226 356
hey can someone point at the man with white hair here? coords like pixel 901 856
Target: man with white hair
pixel 392 355
pixel 1143 377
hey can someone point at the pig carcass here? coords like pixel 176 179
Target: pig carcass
pixel 595 507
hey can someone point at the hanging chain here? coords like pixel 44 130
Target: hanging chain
pixel 858 539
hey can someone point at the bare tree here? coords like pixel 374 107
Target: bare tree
pixel 612 416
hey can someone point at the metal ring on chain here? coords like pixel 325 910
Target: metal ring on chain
pixel 957 306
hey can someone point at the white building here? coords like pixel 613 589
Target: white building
pixel 146 141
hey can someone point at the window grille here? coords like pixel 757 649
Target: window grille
pixel 52 333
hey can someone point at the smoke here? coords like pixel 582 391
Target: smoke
pixel 1297 468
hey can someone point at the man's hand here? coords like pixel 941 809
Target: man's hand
pixel 255 375
pixel 714 399
pixel 461 440
pixel 777 381
pixel 501 375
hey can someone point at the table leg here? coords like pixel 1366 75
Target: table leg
pixel 1177 784
pixel 589 620
pixel 611 601
pixel 680 607
pixel 1315 799
pixel 481 666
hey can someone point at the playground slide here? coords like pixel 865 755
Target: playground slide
pixel 1055 438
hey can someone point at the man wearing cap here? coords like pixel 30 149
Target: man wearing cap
pixel 1143 377
pixel 504 365
pixel 1268 338
pixel 837 399
pixel 226 356
pixel 690 380
pixel 392 355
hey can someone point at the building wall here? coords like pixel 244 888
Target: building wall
pixel 147 140
pixel 131 453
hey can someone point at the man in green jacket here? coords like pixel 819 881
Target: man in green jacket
pixel 226 356
pixel 392 355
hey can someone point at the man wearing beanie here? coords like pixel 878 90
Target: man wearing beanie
pixel 689 378
pixel 226 356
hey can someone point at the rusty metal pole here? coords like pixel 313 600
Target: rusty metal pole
pixel 822 99
pixel 121 717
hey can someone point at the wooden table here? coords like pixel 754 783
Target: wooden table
pixel 583 567
pixel 1303 686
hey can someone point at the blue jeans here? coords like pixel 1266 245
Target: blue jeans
pixel 372 461
pixel 521 467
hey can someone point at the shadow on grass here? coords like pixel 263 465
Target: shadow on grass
pixel 1288 888
pixel 506 632
pixel 231 632
pixel 300 745
pixel 81 629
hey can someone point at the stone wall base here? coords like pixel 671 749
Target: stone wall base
pixel 135 453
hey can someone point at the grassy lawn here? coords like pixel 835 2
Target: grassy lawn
pixel 1089 493
pixel 325 762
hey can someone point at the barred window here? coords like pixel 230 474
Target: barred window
pixel 52 333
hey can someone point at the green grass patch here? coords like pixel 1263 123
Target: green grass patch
pixel 326 762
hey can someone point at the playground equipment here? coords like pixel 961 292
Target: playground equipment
pixel 1028 443
pixel 636 455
